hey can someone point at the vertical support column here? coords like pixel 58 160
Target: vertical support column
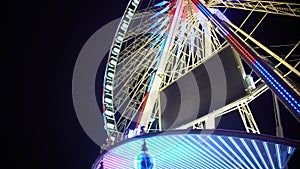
pixel 210 122
pixel 159 113
pixel 207 41
pixel 279 131
pixel 281 88
pixel 146 114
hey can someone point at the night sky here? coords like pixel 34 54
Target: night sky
pixel 42 41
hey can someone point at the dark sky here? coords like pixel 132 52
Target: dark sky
pixel 42 42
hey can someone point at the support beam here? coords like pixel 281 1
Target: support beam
pixel 272 7
pixel 248 119
pixel 279 131
pixel 153 93
pixel 282 89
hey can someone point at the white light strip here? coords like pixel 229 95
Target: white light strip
pixel 165 156
pixel 233 152
pixel 206 164
pixel 157 150
pixel 259 153
pixel 241 151
pixel 179 153
pixel 214 155
pixel 155 24
pixel 277 146
pixel 217 151
pixel 161 11
pixel 225 152
pixel 290 150
pixel 196 146
pixel 269 155
pixel 250 152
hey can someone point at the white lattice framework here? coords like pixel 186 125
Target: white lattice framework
pixel 188 49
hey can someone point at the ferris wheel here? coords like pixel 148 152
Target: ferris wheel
pixel 159 42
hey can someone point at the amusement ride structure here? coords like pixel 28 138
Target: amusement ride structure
pixel 157 46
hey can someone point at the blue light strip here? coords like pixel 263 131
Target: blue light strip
pixel 209 15
pixel 259 153
pixel 216 151
pixel 158 29
pixel 225 152
pixel 250 152
pixel 241 151
pixel 277 146
pixel 204 154
pixel 161 12
pixel 151 81
pixel 157 40
pixel 278 88
pixel 159 152
pixel 204 11
pixel 268 154
pixel 155 24
pixel 161 3
pixel 207 163
pixel 197 146
pixel 290 150
pixel 233 152
pixel 171 146
pixel 207 154
pixel 180 148
pixel 217 155
pixel 198 151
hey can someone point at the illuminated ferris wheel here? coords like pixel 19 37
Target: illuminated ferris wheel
pixel 158 43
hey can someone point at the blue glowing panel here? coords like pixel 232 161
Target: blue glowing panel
pixel 199 149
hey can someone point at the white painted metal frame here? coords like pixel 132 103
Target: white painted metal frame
pixel 136 62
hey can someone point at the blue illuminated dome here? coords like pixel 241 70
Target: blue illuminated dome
pixel 199 149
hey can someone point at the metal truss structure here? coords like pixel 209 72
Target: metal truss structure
pixel 164 41
pixel 270 7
